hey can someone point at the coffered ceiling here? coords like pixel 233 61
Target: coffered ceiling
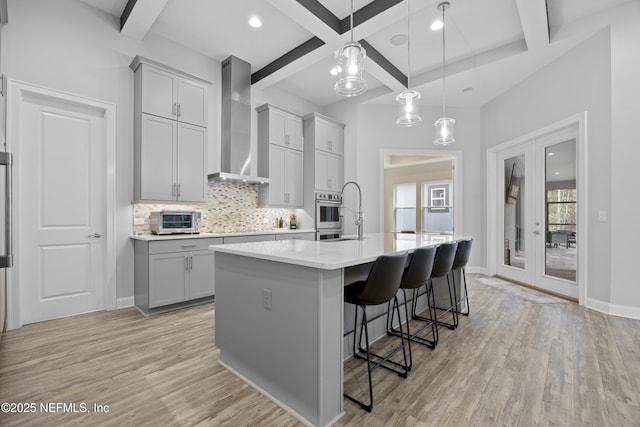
pixel 491 44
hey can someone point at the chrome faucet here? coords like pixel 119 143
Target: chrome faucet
pixel 359 213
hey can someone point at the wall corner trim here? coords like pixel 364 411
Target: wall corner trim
pixel 124 302
pixel 613 309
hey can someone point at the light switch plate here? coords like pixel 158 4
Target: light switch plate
pixel 266 297
pixel 602 216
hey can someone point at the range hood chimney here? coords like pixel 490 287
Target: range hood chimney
pixel 235 144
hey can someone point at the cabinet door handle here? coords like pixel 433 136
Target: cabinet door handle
pixel 189 246
pixel 179 191
pixel 186 263
pixel 179 110
pixel 174 109
pixel 190 262
pixel 329 183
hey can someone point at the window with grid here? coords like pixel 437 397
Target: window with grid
pixel 404 205
pixel 561 209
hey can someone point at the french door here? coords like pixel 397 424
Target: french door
pixel 537 209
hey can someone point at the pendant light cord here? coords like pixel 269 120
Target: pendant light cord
pixel 408 44
pixel 444 66
pixel 352 20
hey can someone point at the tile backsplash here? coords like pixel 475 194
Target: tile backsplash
pixel 230 207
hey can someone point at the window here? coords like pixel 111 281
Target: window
pixel 405 207
pixel 437 213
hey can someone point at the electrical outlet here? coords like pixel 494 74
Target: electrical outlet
pixel 266 298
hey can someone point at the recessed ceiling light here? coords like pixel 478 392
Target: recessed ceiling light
pixel 255 22
pixel 398 39
pixel 334 71
pixel 557 173
pixel 437 25
pixel 551 154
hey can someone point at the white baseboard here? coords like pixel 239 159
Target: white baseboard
pixel 613 309
pixel 478 270
pixel 125 302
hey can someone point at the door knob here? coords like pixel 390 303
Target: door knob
pixel 536 232
pixel 95 235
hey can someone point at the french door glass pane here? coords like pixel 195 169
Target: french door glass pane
pixel 514 212
pixel 561 207
pixel 405 207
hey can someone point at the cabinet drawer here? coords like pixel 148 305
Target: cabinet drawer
pixel 296 236
pixel 183 245
pixel 248 239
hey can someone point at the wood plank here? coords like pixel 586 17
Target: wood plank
pixel 513 361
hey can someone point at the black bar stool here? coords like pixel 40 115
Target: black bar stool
pixel 459 263
pixel 416 275
pixel 380 287
pixel 441 268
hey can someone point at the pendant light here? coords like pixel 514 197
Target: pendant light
pixel 408 100
pixel 350 64
pixel 444 125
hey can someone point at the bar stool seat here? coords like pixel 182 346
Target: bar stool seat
pixel 381 287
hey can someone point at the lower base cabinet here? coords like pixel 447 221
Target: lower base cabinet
pixel 180 270
pixel 173 271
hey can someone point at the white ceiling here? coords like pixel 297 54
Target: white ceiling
pixel 491 44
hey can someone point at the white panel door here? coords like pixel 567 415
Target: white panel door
pixel 191 159
pixel 61 208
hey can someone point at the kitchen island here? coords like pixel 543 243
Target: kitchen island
pixel 279 314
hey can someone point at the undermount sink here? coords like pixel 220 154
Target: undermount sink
pixel 342 239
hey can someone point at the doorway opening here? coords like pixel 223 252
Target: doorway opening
pixel 419 193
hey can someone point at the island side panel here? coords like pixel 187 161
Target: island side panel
pixel 280 350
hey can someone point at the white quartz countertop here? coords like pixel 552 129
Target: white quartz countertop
pixel 331 255
pixel 206 235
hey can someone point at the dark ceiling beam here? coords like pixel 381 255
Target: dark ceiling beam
pixel 127 12
pixel 317 9
pixel 4 17
pixel 383 62
pixel 286 59
pixel 365 13
pixel 323 14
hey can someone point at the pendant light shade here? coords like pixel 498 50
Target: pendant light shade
pixel 444 125
pixel 408 100
pixel 408 108
pixel 444 131
pixel 350 64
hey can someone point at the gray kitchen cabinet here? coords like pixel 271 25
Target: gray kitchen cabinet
pixel 280 127
pixel 170 134
pixel 323 155
pixel 249 238
pixel 296 236
pixel 173 271
pixel 169 93
pixel 280 158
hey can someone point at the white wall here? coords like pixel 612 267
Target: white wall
pixel 579 81
pixel 371 128
pixel 625 154
pixel 70 46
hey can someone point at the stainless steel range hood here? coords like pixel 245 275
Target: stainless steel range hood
pixel 235 145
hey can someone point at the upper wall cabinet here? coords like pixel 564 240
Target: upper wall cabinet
pixel 280 157
pixel 283 128
pixel 171 94
pixel 328 134
pixel 170 134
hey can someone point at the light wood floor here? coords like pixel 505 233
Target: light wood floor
pixel 512 362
